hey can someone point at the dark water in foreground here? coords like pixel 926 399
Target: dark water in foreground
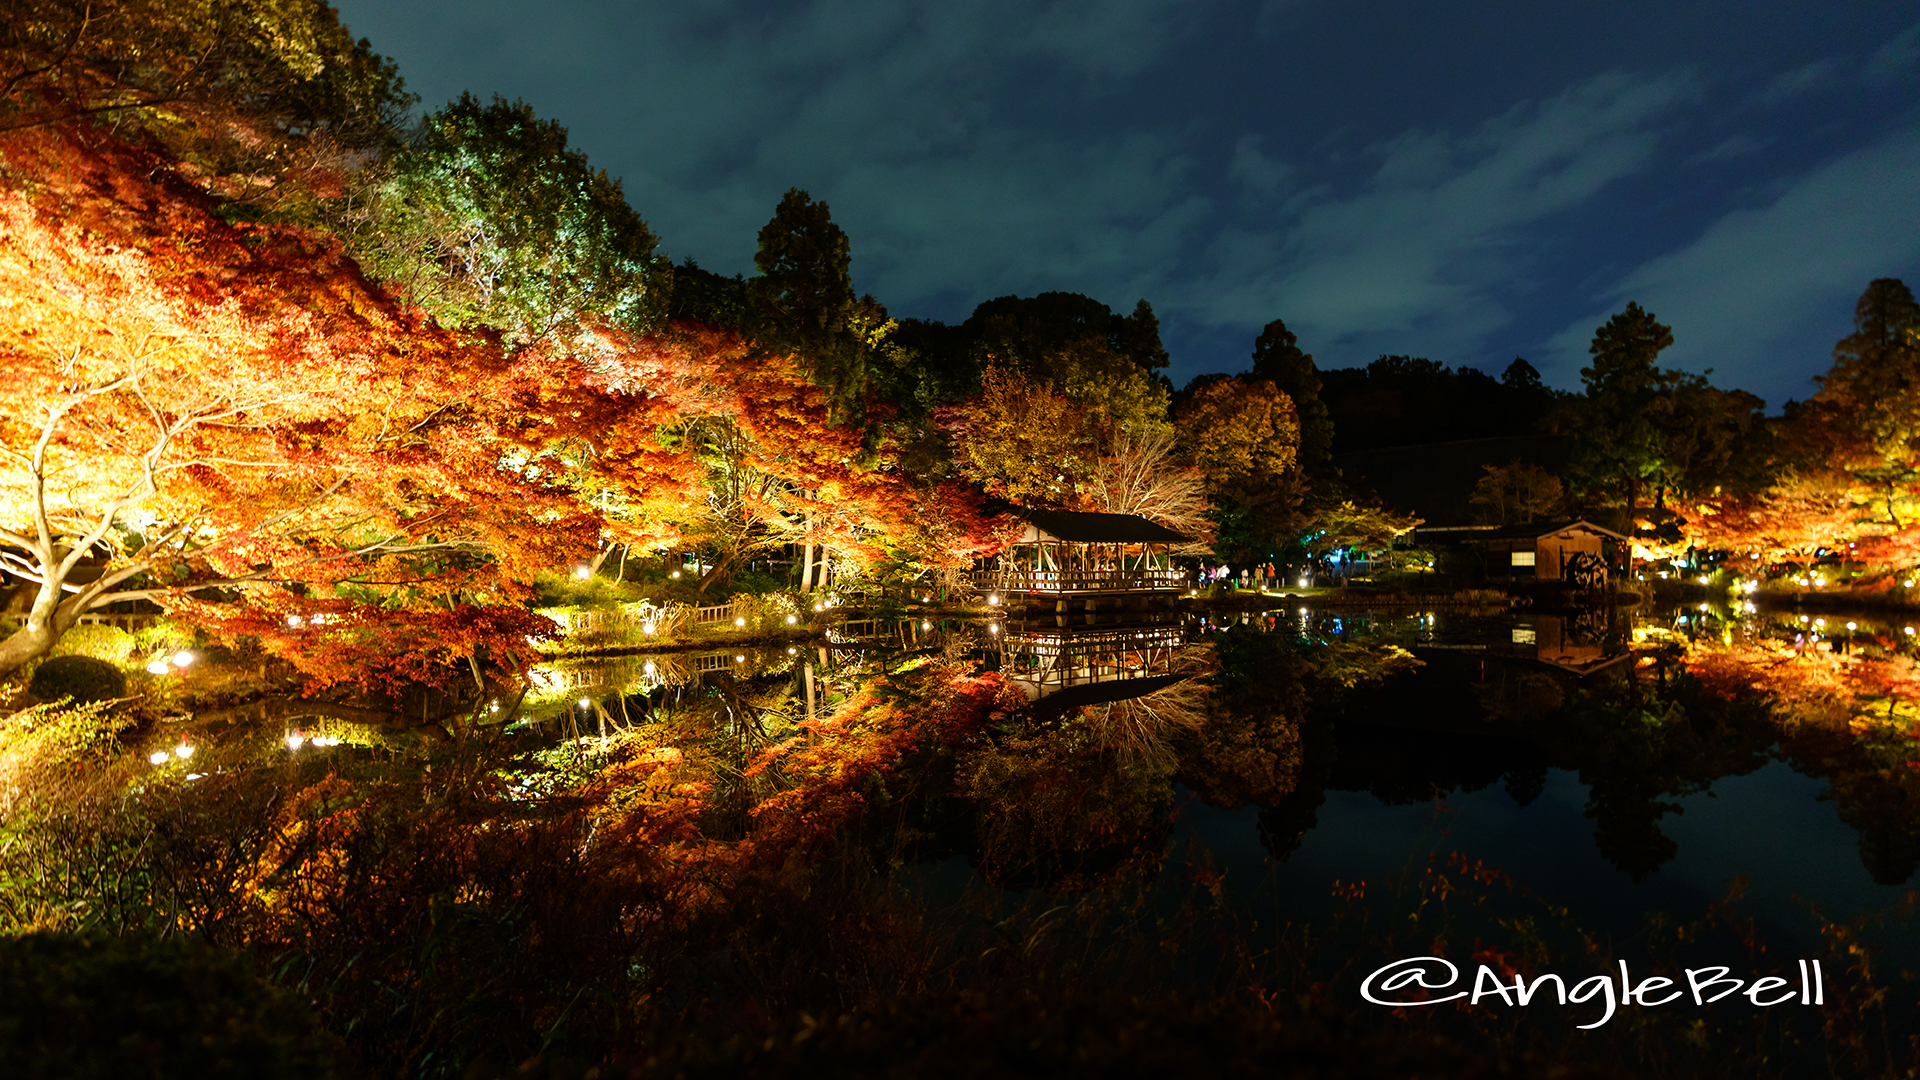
pixel 1647 765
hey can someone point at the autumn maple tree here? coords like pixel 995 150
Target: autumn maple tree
pixel 226 417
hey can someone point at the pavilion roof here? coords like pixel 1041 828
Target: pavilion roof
pixel 1090 528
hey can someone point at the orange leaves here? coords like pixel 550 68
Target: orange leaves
pixel 221 404
pixel 841 761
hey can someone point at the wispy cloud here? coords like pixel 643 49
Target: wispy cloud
pixel 1757 279
pixel 1433 243
pixel 1893 60
pixel 1732 147
pixel 1801 80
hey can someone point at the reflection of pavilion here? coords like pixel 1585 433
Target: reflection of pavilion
pixel 1086 666
pixel 1561 643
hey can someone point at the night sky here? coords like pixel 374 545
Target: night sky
pixel 1468 182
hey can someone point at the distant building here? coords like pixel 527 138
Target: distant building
pixel 1544 551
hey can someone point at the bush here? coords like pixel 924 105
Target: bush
pixel 83 1007
pixel 108 643
pixel 82 678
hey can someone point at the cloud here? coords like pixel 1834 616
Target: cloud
pixel 1734 146
pixel 1801 80
pixel 1891 61
pixel 1433 239
pixel 960 144
pixel 1255 170
pixel 1758 282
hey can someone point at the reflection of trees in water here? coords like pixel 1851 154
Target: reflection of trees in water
pixel 1527 781
pixel 1249 750
pixel 1642 738
pixel 1148 726
pixel 1060 808
pixel 1872 790
pixel 1844 713
pixel 1520 695
pixel 1067 798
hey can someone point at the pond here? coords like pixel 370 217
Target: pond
pixel 1254 810
pixel 1588 759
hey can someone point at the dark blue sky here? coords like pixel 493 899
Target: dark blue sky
pixel 1465 181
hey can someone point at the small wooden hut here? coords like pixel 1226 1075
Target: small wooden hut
pixel 1543 551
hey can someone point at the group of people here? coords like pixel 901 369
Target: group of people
pixel 1265 577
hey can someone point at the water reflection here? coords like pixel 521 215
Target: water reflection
pixel 1266 714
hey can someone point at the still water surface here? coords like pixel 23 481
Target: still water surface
pixel 1617 767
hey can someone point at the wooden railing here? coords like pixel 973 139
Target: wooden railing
pixel 124 622
pixel 636 616
pixel 714 613
pixel 1077 581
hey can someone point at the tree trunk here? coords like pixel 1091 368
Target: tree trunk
pixel 806 567
pixel 47 620
pixel 714 574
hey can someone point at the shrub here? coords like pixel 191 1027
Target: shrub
pixel 82 678
pixel 83 1007
pixel 108 643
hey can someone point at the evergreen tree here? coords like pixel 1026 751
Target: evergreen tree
pixel 1277 356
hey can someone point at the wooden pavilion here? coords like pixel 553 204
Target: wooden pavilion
pixel 1074 553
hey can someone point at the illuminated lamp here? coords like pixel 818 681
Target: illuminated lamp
pixel 159 757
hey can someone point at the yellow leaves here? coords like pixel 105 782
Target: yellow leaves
pixel 1023 440
pixel 1238 428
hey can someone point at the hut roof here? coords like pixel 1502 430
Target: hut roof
pixel 1089 528
pixel 1540 530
